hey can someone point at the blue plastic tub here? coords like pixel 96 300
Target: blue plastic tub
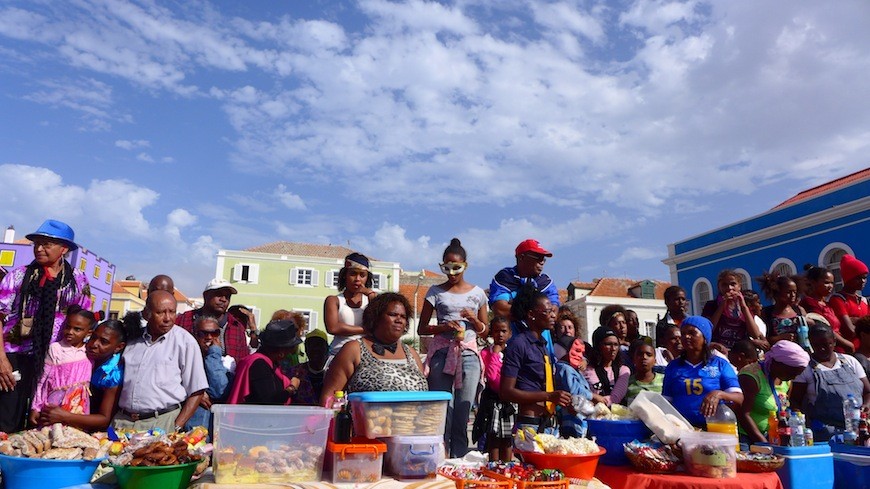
pixel 613 434
pixel 807 467
pixel 851 466
pixel 31 473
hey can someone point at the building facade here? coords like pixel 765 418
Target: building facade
pixel 815 227
pixel 129 296
pixel 644 297
pixel 99 271
pixel 293 276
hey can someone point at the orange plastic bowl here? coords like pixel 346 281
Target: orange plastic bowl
pixel 574 466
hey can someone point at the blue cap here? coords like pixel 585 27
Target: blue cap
pixel 56 230
pixel 703 324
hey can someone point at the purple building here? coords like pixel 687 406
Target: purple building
pixel 100 272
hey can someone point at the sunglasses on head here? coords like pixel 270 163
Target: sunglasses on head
pixel 453 268
pixel 203 333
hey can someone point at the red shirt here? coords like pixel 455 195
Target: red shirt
pixel 852 305
pixel 235 339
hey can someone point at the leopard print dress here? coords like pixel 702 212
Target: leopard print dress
pixel 374 374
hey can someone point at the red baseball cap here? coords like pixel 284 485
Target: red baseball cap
pixel 531 246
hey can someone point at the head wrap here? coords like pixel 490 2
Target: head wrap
pixel 356 260
pixel 787 353
pixel 703 324
pixel 851 267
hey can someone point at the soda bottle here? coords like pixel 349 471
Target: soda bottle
pixel 863 431
pixel 772 427
pixel 342 427
pixel 797 430
pixel 723 421
pixel 851 416
pixel 783 429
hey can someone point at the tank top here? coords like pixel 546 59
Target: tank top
pixel 764 400
pixel 347 315
pixel 374 374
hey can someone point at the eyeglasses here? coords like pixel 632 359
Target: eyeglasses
pixel 46 245
pixel 536 257
pixel 453 267
pixel 203 333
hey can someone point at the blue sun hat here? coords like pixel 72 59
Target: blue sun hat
pixel 56 230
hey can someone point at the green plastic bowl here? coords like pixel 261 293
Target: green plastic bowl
pixel 165 477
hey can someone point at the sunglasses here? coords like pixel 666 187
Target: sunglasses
pixel 453 267
pixel 203 333
pixel 535 257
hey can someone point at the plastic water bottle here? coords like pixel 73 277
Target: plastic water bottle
pixel 797 430
pixel 852 415
pixel 803 334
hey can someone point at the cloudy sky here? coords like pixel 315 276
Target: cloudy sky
pixel 164 131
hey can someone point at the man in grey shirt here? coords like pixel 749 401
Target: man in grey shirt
pixel 164 376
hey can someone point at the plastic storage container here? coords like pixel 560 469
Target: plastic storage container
pixel 806 467
pixel 413 457
pixel 709 454
pixel 269 444
pixel 381 414
pixel 32 473
pixel 612 434
pixel 851 466
pixel 360 461
pixel 660 416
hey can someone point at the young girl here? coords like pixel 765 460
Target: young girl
pixel 453 363
pixel 67 372
pixel 569 377
pixel 495 418
pixel 606 374
pixel 783 318
pixel 732 320
pixel 343 312
pixel 643 355
pixel 104 349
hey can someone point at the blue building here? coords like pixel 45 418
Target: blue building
pixel 816 227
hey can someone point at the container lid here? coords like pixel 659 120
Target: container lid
pixel 271 410
pixel 358 445
pixel 707 437
pixel 414 439
pixel 400 396
pixel 816 449
pixel 852 449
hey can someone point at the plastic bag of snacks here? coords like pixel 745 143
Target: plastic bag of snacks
pixel 524 472
pixel 652 458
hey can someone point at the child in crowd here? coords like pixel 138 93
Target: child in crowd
pixel 671 347
pixel 312 372
pixel 569 377
pixel 849 304
pixel 862 333
pixel 495 418
pixel 753 302
pixel 606 373
pixel 732 320
pixel 67 372
pixel 643 355
pixel 784 317
pixel 743 353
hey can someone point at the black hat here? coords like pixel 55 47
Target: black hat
pixel 280 334
pixel 600 334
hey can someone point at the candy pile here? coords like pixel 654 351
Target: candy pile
pixel 457 472
pixel 524 472
pixel 652 458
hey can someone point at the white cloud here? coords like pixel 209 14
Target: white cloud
pixel 288 199
pixel 145 157
pixel 131 145
pixel 91 98
pixel 636 253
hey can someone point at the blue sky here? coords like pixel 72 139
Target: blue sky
pixel 164 131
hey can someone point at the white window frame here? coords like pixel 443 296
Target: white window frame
pixel 783 261
pixel 331 279
pixel 378 281
pixel 295 276
pixel 697 303
pixel 253 273
pixel 747 284
pixel 310 316
pixel 834 268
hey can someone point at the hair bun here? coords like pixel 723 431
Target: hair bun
pixel 455 242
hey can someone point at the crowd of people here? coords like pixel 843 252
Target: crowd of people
pixel 516 358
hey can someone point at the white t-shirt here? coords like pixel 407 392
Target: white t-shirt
pixel 806 377
pixel 761 326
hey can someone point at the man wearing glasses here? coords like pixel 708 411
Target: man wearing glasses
pixel 529 269
pixel 218 370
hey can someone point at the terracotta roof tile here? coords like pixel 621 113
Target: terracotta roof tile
pixel 302 249
pixel 585 285
pixel 618 287
pixel 826 187
pixel 563 296
pixel 407 290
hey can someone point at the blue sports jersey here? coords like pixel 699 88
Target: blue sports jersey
pixel 686 385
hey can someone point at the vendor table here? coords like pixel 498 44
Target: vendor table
pixel 626 477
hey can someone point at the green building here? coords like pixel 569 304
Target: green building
pixel 293 276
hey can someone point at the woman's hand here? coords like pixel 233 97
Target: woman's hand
pixel 711 403
pixel 51 414
pixel 599 399
pixel 7 382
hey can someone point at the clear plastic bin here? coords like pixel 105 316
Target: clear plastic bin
pixel 709 454
pixel 660 416
pixel 382 414
pixel 269 444
pixel 360 461
pixel 414 457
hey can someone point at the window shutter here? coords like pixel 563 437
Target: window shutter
pixel 237 272
pixel 294 278
pixel 314 276
pixel 312 321
pixel 253 274
pixel 331 277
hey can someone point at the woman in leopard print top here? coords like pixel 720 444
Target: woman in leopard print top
pixel 378 361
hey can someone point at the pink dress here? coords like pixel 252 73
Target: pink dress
pixel 65 380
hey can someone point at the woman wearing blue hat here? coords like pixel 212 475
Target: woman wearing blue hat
pixel 33 303
pixel 699 380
